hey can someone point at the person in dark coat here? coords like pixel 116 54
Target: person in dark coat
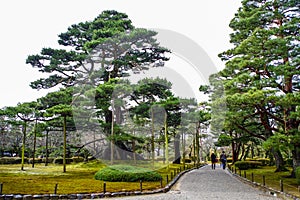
pixel 213 160
pixel 223 159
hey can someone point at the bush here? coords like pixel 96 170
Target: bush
pixel 244 165
pixel 264 161
pixel 50 160
pixel 298 175
pixel 229 160
pixel 60 160
pixel 126 173
pixel 36 160
pixel 12 160
pixel 77 159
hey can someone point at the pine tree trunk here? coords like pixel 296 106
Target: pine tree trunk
pixel 177 148
pixel 279 162
pixel 23 145
pixel 34 144
pixel 296 159
pixel 65 143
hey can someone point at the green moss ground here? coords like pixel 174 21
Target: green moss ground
pixel 79 178
pixel 272 179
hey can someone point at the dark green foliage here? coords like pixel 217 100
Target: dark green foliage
pixel 60 160
pixel 289 162
pixel 244 165
pixel 77 159
pixel 126 173
pixel 12 160
pixel 187 160
pixel 36 160
pixel 229 160
pixel 264 161
pixel 223 140
pixel 298 175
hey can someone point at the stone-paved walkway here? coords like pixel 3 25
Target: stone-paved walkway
pixel 205 183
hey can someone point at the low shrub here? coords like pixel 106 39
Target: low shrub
pixel 90 158
pixel 244 165
pixel 36 160
pixel 77 159
pixel 12 160
pixel 50 160
pixel 264 161
pixel 126 173
pixel 229 160
pixel 60 160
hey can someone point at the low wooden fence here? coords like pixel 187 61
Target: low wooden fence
pixel 262 180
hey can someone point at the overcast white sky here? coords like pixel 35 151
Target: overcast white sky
pixel 28 26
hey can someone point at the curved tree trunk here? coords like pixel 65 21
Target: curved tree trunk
pixel 279 162
pixel 177 148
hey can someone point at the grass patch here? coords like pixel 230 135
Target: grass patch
pixel 272 179
pixel 79 178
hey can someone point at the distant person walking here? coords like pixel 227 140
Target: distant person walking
pixel 213 160
pixel 223 159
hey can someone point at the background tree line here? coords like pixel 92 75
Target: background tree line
pixel 95 107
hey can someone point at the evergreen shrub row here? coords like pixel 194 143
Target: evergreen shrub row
pixel 18 160
pixel 244 165
pixel 126 173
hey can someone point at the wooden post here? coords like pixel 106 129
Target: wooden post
pixel 240 172
pixel 161 182
pixel 245 174
pixel 104 187
pixel 55 188
pixel 1 188
pixel 235 170
pixel 141 185
pixel 252 177
pixel 167 179
pixel 281 186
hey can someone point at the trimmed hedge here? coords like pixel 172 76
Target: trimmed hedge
pixel 60 160
pixel 126 173
pixel 244 165
pixel 77 159
pixel 12 160
pixel 18 160
pixel 36 160
pixel 50 160
pixel 264 161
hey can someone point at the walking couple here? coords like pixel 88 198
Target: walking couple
pixel 214 160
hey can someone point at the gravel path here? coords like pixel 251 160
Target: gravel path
pixel 205 183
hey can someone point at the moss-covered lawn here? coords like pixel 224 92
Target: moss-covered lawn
pixel 79 178
pixel 272 179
